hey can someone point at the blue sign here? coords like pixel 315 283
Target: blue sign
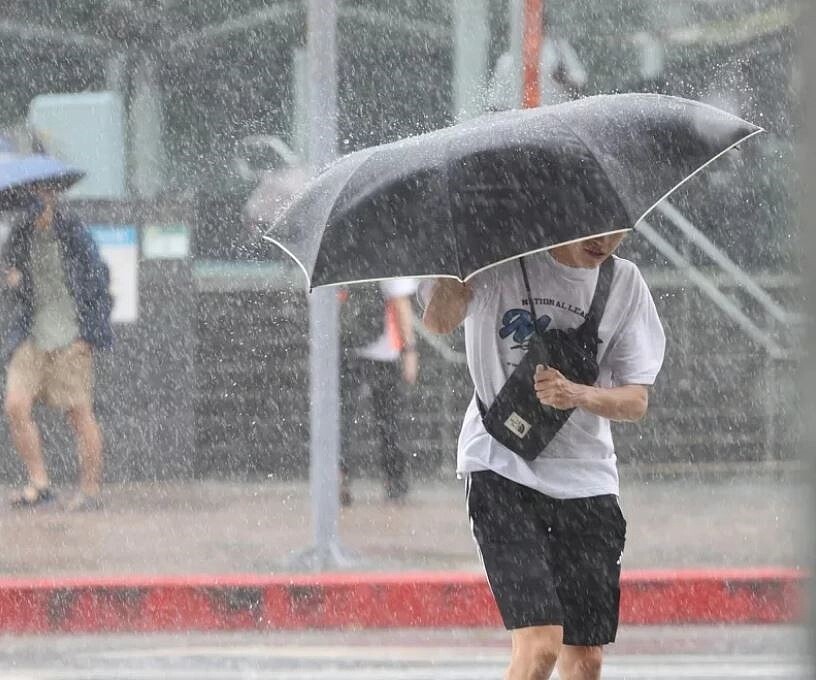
pixel 107 235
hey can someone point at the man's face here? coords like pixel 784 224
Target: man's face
pixel 43 208
pixel 590 253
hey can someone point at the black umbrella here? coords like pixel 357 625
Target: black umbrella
pixel 458 200
pixel 21 174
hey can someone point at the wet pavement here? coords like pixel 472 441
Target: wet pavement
pixel 664 653
pixel 689 520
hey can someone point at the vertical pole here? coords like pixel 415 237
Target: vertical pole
pixel 324 352
pixel 116 72
pixel 321 60
pixel 146 130
pixel 516 48
pixel 300 87
pixel 532 19
pixel 770 396
pixel 117 80
pixel 471 39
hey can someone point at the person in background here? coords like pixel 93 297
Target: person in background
pixel 551 531
pixel 379 352
pixel 63 316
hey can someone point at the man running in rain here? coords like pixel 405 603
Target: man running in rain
pixel 550 531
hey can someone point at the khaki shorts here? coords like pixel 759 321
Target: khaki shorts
pixel 62 378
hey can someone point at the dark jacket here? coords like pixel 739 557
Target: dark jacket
pixel 86 276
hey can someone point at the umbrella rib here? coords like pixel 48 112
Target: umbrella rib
pixel 267 237
pixel 367 154
pixel 598 163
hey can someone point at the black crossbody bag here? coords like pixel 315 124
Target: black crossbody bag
pixel 516 418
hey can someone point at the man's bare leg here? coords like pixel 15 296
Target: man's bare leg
pixel 89 448
pixel 535 651
pixel 580 663
pixel 25 436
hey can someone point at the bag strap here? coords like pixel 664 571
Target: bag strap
pixel 529 294
pixel 596 309
pixel 479 402
pixel 599 298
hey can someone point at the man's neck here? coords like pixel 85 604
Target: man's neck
pixel 45 219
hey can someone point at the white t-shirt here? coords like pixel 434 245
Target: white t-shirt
pixel 580 460
pixel 388 345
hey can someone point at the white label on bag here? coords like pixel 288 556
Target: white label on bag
pixel 517 425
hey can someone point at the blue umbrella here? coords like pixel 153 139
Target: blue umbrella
pixel 7 145
pixel 21 174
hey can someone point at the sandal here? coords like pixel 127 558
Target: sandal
pixel 32 497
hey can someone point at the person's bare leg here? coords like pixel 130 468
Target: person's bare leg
pixel 89 448
pixel 580 663
pixel 535 651
pixel 25 436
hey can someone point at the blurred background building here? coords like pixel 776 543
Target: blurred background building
pixel 201 103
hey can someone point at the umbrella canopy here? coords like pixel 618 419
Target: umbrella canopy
pixel 20 174
pixel 461 199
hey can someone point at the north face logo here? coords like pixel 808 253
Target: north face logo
pixel 517 425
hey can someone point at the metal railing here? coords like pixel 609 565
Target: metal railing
pixel 711 289
pixel 745 281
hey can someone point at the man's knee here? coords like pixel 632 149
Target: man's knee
pixel 82 416
pixel 17 407
pixel 580 663
pixel 537 648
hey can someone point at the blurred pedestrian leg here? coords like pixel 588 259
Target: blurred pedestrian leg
pixel 379 358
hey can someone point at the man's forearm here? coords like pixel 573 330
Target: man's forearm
pixel 625 403
pixel 405 320
pixel 447 306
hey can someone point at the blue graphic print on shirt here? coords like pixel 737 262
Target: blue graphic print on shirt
pixel 518 323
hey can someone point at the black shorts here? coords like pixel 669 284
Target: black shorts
pixel 550 561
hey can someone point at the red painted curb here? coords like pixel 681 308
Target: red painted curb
pixel 371 600
pixel 713 596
